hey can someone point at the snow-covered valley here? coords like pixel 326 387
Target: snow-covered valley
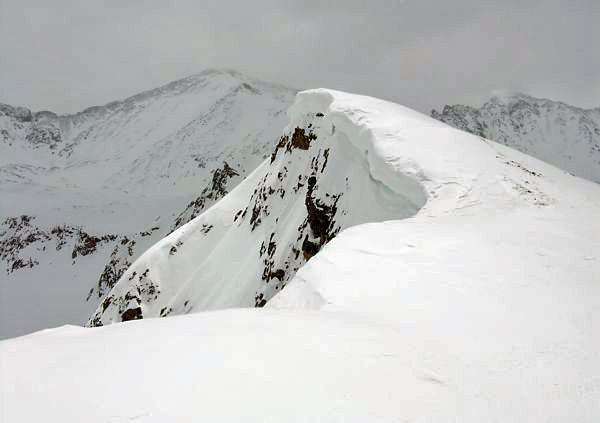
pixel 406 270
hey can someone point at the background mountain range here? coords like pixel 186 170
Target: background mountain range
pixel 84 195
pixel 563 135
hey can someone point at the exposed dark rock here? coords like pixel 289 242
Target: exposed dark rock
pixel 216 190
pixel 320 215
pixel 520 166
pixel 128 306
pixel 20 264
pixel 237 215
pixel 173 249
pixel 117 265
pixel 309 248
pixel 278 274
pixel 87 243
pixel 465 118
pixel 19 233
pixel 95 321
pixel 48 135
pixel 130 247
pixel 282 143
pixel 130 296
pixel 255 219
pixel 326 155
pixel 106 303
pixel 259 300
pixel 301 140
pixel 19 113
pixel 62 233
pixel 280 262
pixel 132 314
pixel 318 228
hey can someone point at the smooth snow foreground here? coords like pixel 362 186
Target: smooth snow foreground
pixel 483 306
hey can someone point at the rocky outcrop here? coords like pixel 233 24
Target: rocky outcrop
pixel 41 129
pixel 220 182
pixel 245 249
pixel 125 251
pixel 22 241
pixel 144 291
pixel 318 227
pixel 21 114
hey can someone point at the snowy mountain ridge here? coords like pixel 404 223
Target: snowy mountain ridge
pixel 553 131
pixel 318 181
pixel 136 133
pixel 156 160
pixel 452 277
pixel 282 214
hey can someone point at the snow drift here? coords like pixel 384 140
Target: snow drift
pixel 472 294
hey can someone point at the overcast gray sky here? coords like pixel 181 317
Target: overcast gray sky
pixel 66 55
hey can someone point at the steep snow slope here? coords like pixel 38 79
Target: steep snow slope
pixel 118 177
pixel 564 135
pixel 318 181
pixel 479 304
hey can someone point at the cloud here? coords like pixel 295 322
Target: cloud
pixel 67 55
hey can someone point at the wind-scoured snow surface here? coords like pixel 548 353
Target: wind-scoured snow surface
pixel 114 180
pixel 560 134
pixel 472 295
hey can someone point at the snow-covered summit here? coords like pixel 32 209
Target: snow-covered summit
pixel 448 277
pixel 123 143
pixel 561 134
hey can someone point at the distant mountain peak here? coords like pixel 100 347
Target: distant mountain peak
pixel 220 71
pixel 223 77
pixel 508 96
pixel 558 133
